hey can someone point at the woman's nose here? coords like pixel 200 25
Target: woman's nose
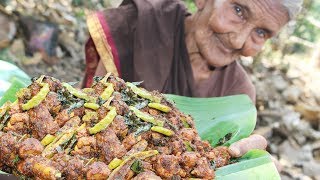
pixel 238 39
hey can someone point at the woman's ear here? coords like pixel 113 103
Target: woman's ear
pixel 200 4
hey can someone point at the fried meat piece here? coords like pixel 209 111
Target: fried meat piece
pixel 30 147
pixel 86 147
pixel 117 83
pixel 121 106
pixel 178 147
pixel 129 141
pixel 189 159
pixel 158 139
pixel 148 175
pixel 43 168
pixel 8 150
pixel 98 171
pixel 167 166
pixel 42 122
pixel 62 117
pixel 74 168
pixel 99 88
pixel 203 169
pixel 119 126
pixel 52 103
pixel 25 167
pixel 109 145
pixel 147 166
pixel 15 108
pixel 188 134
pixel 39 167
pixel 19 123
pixel 222 156
pixel 102 112
pixel 71 167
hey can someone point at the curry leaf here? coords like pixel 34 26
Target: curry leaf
pixel 137 167
pixel 75 106
pixel 142 129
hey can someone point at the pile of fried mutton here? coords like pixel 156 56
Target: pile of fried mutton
pixel 113 130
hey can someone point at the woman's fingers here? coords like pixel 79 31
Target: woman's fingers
pixel 277 164
pixel 241 147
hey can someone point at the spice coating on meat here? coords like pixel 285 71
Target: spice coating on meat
pixel 203 169
pixel 8 149
pixel 30 147
pixel 98 171
pixel 222 156
pixel 52 103
pixel 119 126
pixel 18 123
pixel 86 147
pixel 148 175
pixel 109 145
pixel 167 166
pixel 42 122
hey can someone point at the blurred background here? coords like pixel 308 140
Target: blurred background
pixel 48 37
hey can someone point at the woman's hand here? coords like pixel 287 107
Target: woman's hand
pixel 241 147
pixel 255 141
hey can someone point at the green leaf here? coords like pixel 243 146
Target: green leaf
pixel 11 80
pixel 10 94
pixel 222 120
pixel 256 164
pixel 137 167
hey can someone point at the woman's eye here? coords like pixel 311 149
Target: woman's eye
pixel 238 11
pixel 261 33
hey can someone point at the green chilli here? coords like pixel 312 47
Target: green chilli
pixel 38 98
pixel 106 94
pixel 162 130
pixel 76 92
pixel 146 117
pixel 47 139
pixel 160 107
pixel 143 93
pixel 115 163
pixel 104 123
pixel 93 106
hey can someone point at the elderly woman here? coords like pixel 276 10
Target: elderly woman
pixel 160 43
pixel 172 51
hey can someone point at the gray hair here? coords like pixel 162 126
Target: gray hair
pixel 293 6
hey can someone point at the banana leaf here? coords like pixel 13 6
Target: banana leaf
pixel 11 80
pixel 222 120
pixel 256 164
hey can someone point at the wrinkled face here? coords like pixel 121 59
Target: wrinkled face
pixel 227 29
